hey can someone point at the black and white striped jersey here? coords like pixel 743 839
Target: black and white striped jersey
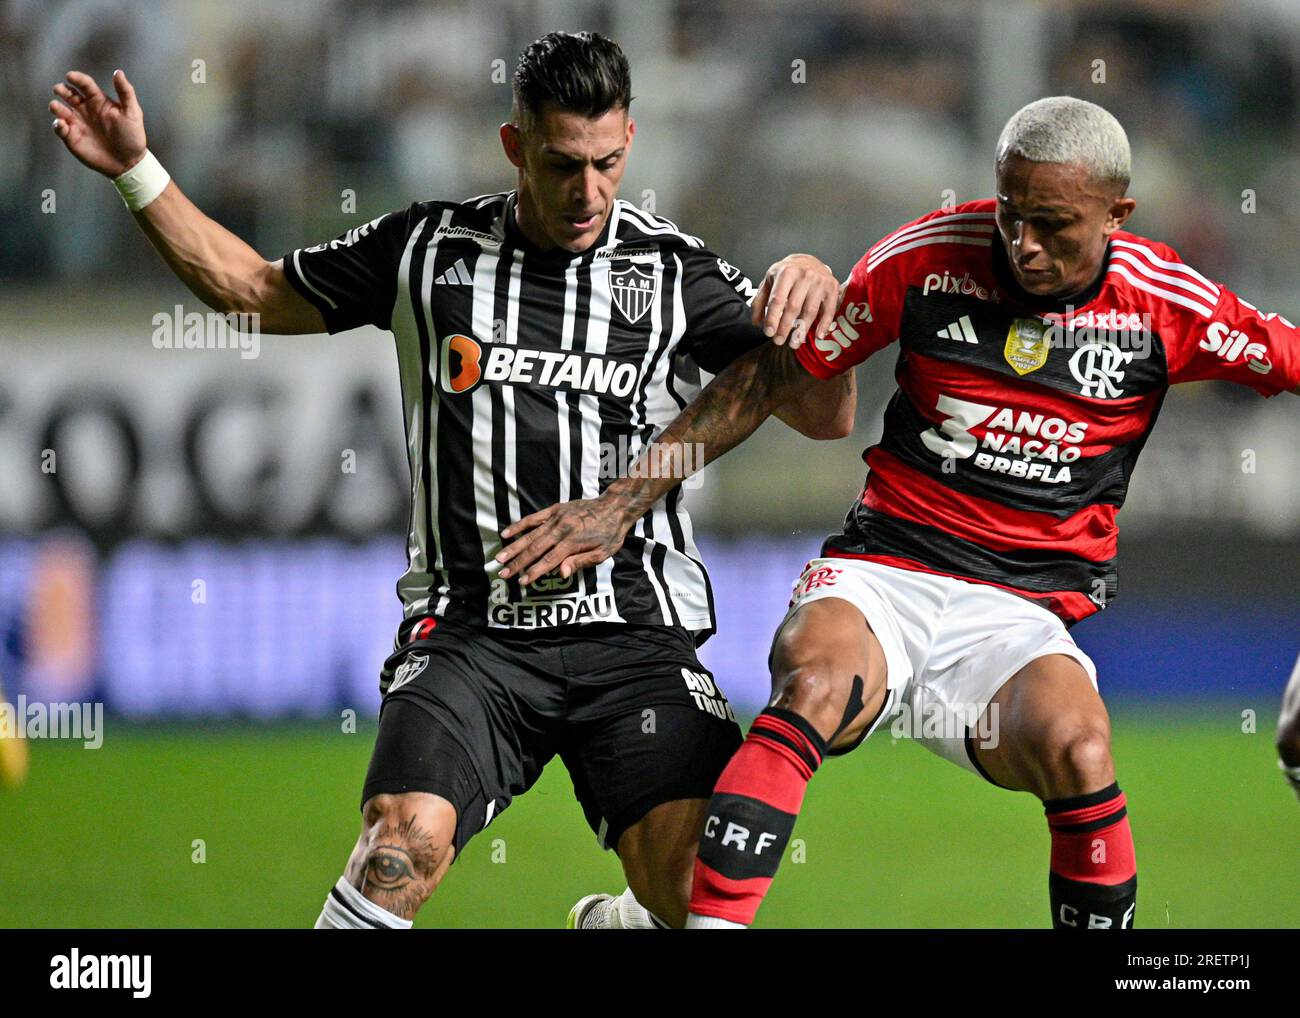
pixel 532 377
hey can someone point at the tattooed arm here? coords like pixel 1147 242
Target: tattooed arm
pixel 574 535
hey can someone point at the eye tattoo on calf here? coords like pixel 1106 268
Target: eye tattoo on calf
pixel 390 868
pixel 404 854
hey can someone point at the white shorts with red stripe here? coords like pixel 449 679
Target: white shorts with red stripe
pixel 949 646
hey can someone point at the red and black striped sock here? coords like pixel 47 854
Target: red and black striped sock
pixel 1093 882
pixel 752 814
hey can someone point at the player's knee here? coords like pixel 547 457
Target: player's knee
pixel 1077 761
pixel 816 693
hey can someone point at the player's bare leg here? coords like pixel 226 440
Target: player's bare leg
pixel 402 854
pixel 658 856
pixel 820 652
pixel 1053 739
pixel 828 680
pixel 1053 732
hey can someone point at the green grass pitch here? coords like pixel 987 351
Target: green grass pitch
pixel 889 836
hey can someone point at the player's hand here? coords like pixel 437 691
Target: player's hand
pixel 106 134
pixel 797 292
pixel 568 537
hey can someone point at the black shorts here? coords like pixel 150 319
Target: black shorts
pixel 474 715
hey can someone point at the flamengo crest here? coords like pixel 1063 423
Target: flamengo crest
pixel 1097 367
pixel 633 291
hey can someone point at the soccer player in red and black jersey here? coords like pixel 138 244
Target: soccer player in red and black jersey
pixel 1037 338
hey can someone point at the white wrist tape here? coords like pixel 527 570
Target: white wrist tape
pixel 142 183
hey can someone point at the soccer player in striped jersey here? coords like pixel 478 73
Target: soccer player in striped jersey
pixel 544 335
pixel 1037 338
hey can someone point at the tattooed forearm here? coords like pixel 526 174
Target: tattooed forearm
pixel 728 411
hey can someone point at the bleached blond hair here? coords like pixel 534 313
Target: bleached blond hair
pixel 1062 129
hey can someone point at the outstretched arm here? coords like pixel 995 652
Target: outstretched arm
pixel 223 271
pixel 574 535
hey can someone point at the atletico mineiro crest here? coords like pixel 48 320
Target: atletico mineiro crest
pixel 1027 345
pixel 633 291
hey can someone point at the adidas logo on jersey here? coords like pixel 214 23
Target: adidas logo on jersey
pixel 457 275
pixel 961 330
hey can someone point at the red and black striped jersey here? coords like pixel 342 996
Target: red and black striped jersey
pixel 1008 447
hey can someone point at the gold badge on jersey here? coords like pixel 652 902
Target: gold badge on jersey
pixel 1027 345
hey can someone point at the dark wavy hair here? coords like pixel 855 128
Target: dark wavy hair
pixel 583 72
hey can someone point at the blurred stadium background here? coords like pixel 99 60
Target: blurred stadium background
pixel 196 557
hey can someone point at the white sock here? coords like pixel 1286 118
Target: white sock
pixel 708 922
pixel 632 915
pixel 346 908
